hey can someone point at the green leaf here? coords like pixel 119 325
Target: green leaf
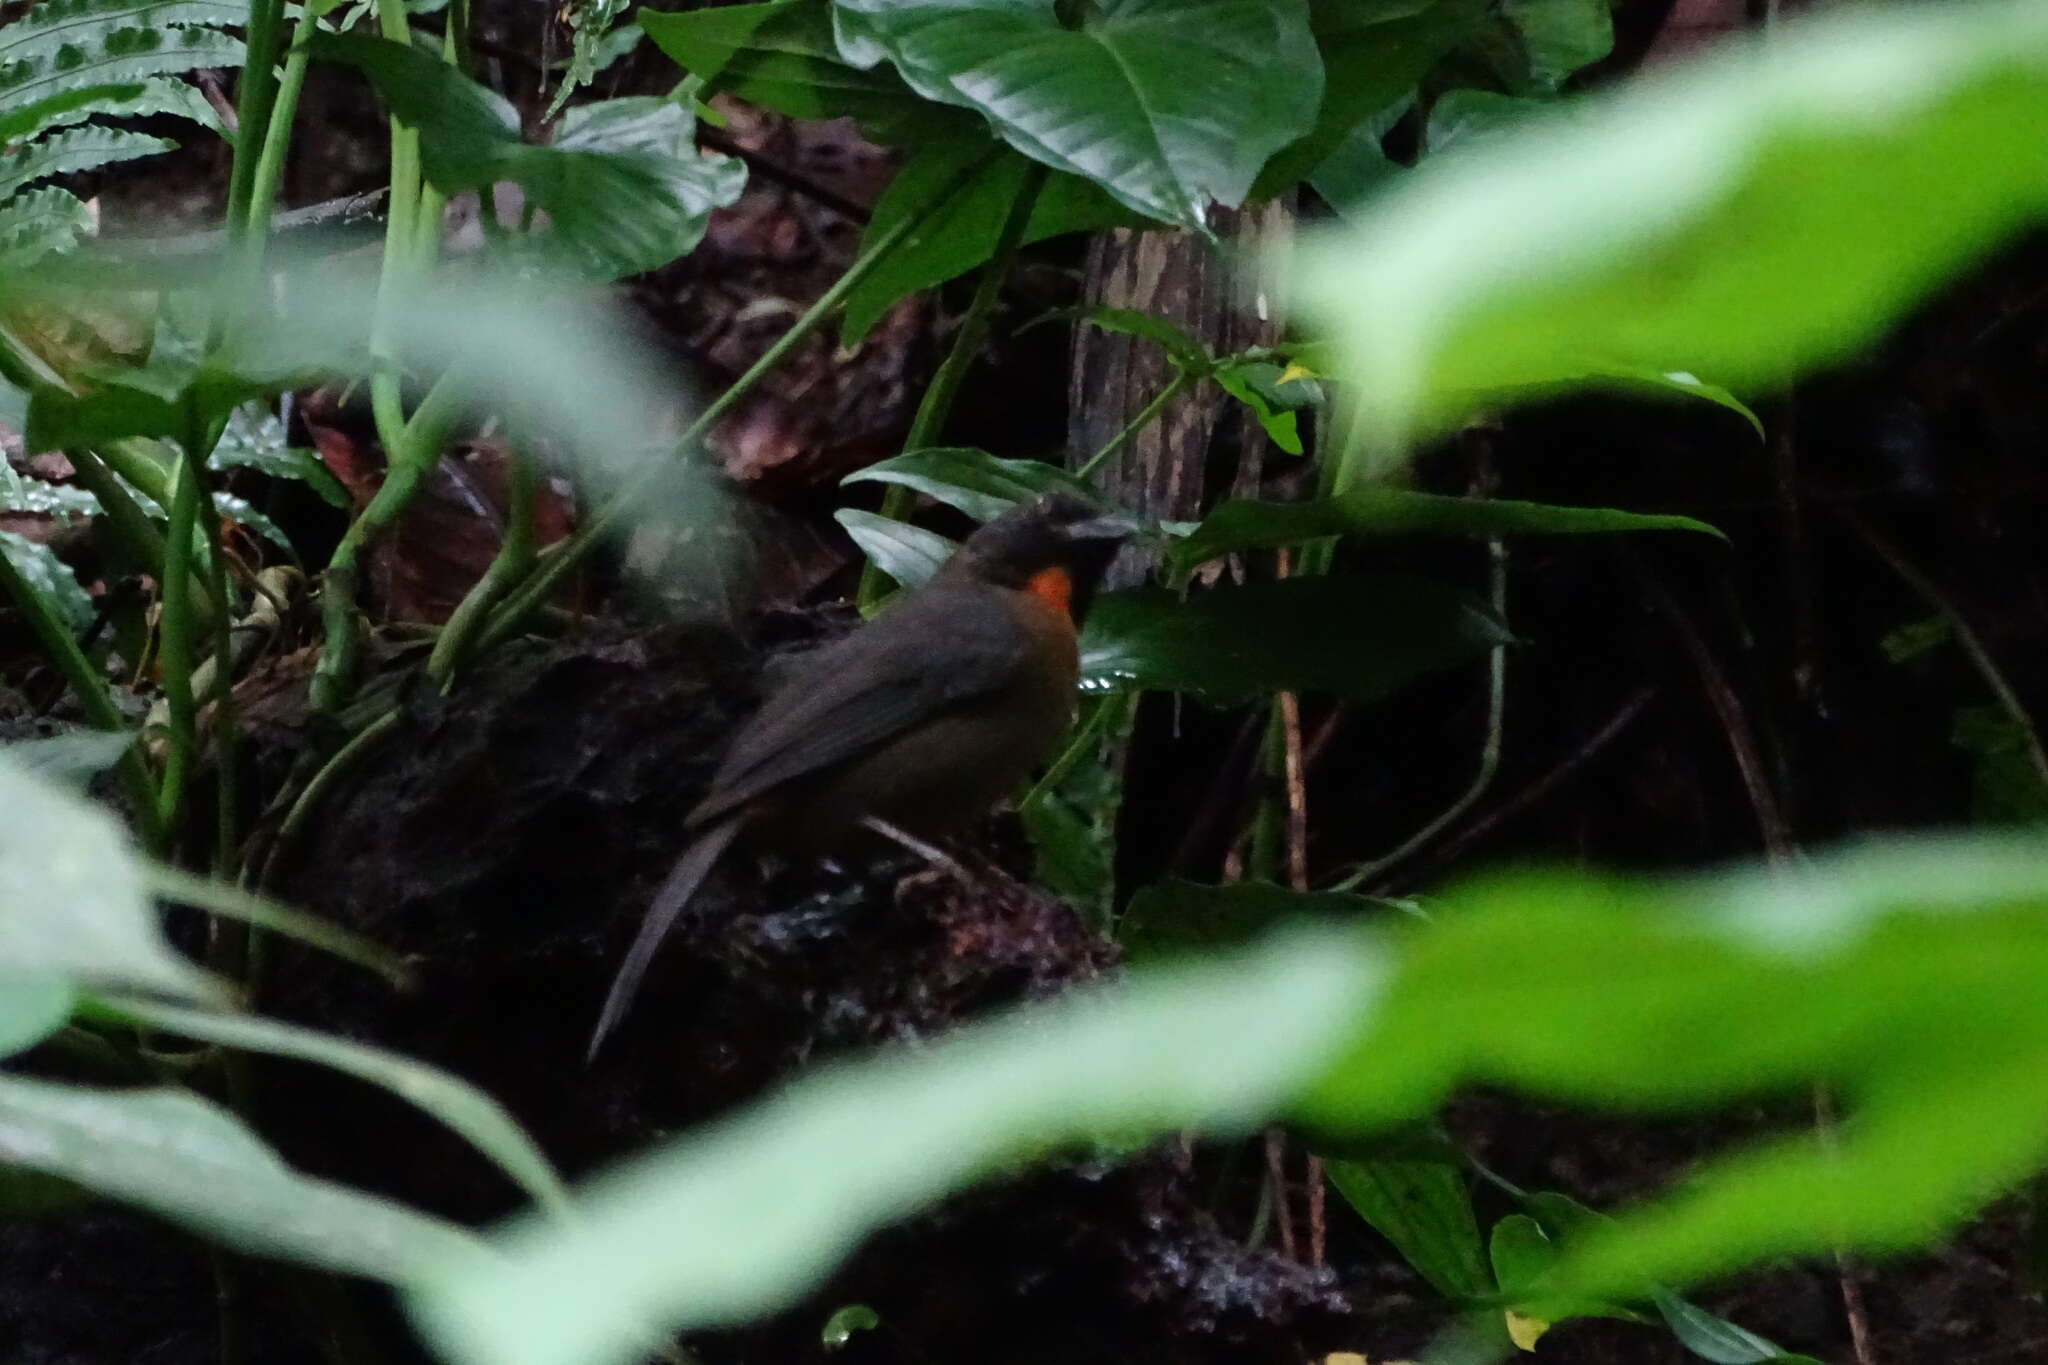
pixel 1360 637
pixel 909 554
pixel 1424 1209
pixel 107 56
pixel 623 187
pixel 782 56
pixel 1561 36
pixel 192 1162
pixel 223 898
pixel 129 99
pixel 35 224
pixel 468 1111
pixel 1179 344
pixel 2006 785
pixel 971 481
pixel 254 438
pixel 71 759
pixel 1245 524
pixel 1373 56
pixel 961 235
pixel 1256 384
pixel 1177 917
pixel 64 30
pixel 72 150
pixel 1520 1252
pixel 31 1011
pixel 77 910
pixel 1751 216
pixel 1170 105
pixel 1465 116
pixel 840 1327
pixel 1713 1338
pixel 1358 167
pixel 677 1236
pixel 50 577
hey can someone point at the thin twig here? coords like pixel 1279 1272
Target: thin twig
pixel 1276 1176
pixel 1134 426
pixel 1549 782
pixel 1966 636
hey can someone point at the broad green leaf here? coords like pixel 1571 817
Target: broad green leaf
pixel 31 1011
pixel 479 1119
pixel 782 56
pixel 623 186
pixel 1358 167
pixel 909 554
pixel 1170 105
pixel 1373 57
pixel 1177 917
pixel 1245 524
pixel 1751 215
pixel 1520 1252
pixel 1464 116
pixel 962 234
pixel 1906 977
pixel 50 578
pixel 1561 36
pixel 1360 637
pixel 64 501
pixel 969 480
pixel 192 1162
pixel 1424 1209
pixel 745 1216
pixel 76 909
pixel 64 30
pixel 71 759
pixel 1256 384
pixel 1717 1339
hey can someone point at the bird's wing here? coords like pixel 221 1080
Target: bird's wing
pixel 934 651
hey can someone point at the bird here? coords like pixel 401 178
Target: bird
pixel 913 723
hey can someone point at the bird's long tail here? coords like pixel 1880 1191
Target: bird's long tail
pixel 682 883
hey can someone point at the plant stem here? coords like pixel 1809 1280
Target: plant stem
pixel 137 533
pixel 937 403
pixel 277 137
pixel 1489 753
pixel 508 566
pixel 94 697
pixel 175 651
pixel 1136 425
pixel 257 99
pixel 410 459
pixel 309 798
pixel 560 559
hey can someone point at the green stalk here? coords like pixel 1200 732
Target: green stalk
pixel 411 458
pixel 277 137
pixel 256 100
pixel 561 559
pixel 94 697
pixel 937 404
pixel 137 533
pixel 175 652
pixel 1137 424
pixel 508 566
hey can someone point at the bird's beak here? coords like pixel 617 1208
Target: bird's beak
pixel 1103 528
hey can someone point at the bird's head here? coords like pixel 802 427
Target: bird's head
pixel 1055 547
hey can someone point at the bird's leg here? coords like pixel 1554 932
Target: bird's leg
pixel 926 851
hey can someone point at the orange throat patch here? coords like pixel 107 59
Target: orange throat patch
pixel 1055 588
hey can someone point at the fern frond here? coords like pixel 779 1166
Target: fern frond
pixel 128 54
pixel 87 25
pixel 133 99
pixel 72 150
pixel 34 224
